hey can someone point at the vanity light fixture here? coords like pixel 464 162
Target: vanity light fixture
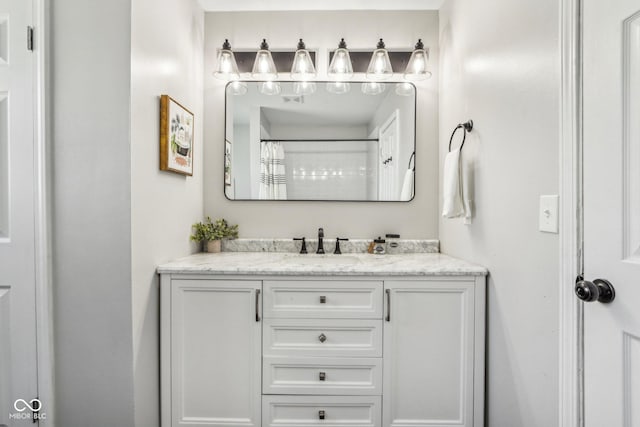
pixel 338 87
pixel 341 67
pixel 270 88
pixel 302 68
pixel 380 64
pixel 238 87
pixel 264 67
pixel 417 66
pixel 227 66
pixel 404 89
pixel 304 88
pixel 372 88
pixel 375 66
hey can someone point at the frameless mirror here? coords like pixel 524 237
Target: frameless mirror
pixel 320 141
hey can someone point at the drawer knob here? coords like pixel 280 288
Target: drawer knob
pixel 323 299
pixel 322 376
pixel 321 414
pixel 322 337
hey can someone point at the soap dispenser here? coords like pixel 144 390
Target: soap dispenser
pixel 379 246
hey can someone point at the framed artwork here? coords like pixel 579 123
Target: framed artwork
pixel 176 137
pixel 227 163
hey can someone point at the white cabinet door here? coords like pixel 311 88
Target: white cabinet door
pixel 215 353
pixel 428 353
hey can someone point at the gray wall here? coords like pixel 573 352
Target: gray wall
pixel 500 67
pixel 116 216
pixel 91 253
pixel 361 30
pixel 165 59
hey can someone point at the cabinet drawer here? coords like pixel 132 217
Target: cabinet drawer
pixel 335 411
pixel 323 299
pixel 322 337
pixel 322 375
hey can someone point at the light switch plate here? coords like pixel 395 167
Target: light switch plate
pixel 549 214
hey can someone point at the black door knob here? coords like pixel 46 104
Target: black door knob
pixel 600 290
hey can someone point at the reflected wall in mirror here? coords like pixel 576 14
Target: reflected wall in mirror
pixel 350 141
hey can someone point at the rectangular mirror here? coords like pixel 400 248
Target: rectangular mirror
pixel 349 141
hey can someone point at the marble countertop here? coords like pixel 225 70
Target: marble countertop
pixel 292 264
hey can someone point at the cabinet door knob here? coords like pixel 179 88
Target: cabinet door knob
pixel 321 414
pixel 323 299
pixel 322 376
pixel 322 337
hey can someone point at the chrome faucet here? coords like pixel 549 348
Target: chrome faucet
pixel 320 237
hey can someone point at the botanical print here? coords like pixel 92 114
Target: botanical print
pixel 176 137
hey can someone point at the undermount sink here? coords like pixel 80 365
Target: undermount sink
pixel 312 259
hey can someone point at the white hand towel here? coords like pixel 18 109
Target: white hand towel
pixel 407 186
pixel 452 206
pixel 466 177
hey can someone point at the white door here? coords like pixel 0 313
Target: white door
pixel 611 61
pixel 388 159
pixel 216 353
pixel 428 350
pixel 18 378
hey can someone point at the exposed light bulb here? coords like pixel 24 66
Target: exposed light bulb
pixel 237 88
pixel 373 88
pixel 380 64
pixel 338 87
pixel 405 89
pixel 302 67
pixel 304 88
pixel 417 66
pixel 263 67
pixel 270 88
pixel 340 67
pixel 227 67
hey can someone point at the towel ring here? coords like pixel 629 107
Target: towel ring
pixel 467 127
pixel 413 157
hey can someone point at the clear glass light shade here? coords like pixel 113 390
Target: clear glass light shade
pixel 405 89
pixel 302 68
pixel 372 88
pixel 304 88
pixel 264 67
pixel 340 67
pixel 237 88
pixel 270 88
pixel 227 68
pixel 417 66
pixel 338 87
pixel 380 65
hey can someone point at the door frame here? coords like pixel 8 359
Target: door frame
pixel 42 214
pixel 571 390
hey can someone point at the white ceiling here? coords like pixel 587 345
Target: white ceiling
pixel 282 5
pixel 322 107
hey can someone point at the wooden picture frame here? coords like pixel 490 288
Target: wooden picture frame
pixel 176 137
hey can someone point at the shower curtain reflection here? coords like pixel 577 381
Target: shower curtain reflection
pixel 273 181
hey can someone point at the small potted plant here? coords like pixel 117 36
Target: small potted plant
pixel 213 232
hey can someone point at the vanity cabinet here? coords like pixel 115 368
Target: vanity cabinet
pixel 211 356
pixel 341 351
pixel 433 343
